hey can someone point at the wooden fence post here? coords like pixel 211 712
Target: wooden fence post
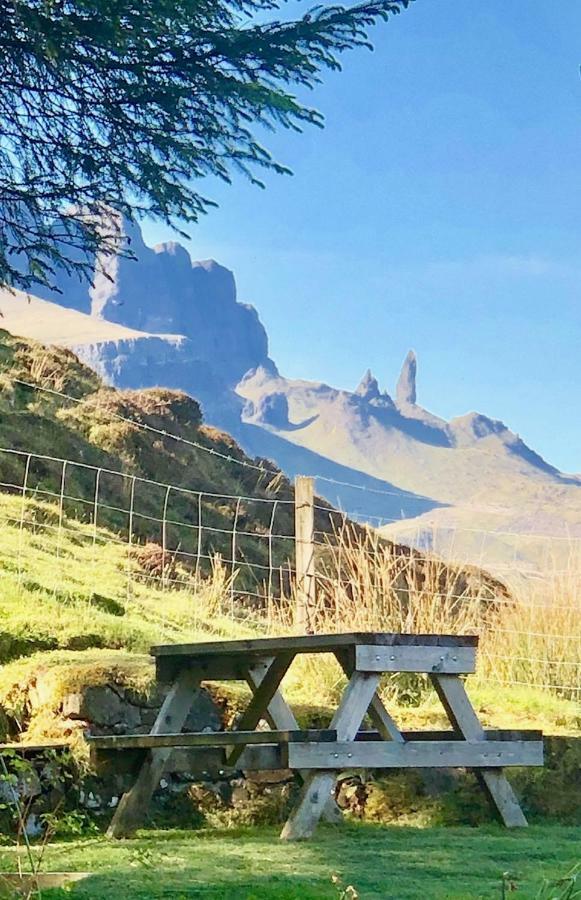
pixel 305 552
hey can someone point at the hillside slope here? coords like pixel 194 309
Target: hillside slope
pixel 468 487
pixel 152 438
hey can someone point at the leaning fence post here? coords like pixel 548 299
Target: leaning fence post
pixel 305 552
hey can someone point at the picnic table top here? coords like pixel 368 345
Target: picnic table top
pixel 311 643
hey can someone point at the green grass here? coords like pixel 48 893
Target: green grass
pixel 91 431
pixel 76 587
pixel 380 862
pixel 74 602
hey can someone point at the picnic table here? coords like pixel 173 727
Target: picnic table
pixel 320 755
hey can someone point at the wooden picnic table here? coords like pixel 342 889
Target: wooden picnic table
pixel 320 755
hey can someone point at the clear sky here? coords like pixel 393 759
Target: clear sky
pixel 440 209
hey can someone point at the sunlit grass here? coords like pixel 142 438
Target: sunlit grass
pixel 77 588
pixel 378 862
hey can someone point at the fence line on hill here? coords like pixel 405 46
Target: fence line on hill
pixel 188 526
pixel 288 563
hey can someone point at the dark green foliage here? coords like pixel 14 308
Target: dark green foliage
pixel 554 792
pixel 124 104
pixel 39 785
pixel 551 793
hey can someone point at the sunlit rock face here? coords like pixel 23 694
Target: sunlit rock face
pixel 163 320
pixel 405 392
pixel 160 291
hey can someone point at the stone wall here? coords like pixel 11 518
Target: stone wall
pixel 219 796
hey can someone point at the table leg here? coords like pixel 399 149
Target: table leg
pixel 380 717
pixel 133 806
pixel 280 715
pixel 318 786
pixel 262 696
pixel 463 718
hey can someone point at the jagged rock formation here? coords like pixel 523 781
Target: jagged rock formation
pixel 368 391
pixel 125 357
pixel 166 320
pixel 162 292
pixel 438 482
pixel 156 319
pixel 405 392
pixel 368 387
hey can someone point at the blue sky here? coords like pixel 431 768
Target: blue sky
pixel 440 209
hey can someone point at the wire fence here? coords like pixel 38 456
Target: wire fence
pixel 168 533
pixel 109 543
pixel 519 590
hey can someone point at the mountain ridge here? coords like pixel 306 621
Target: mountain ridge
pixel 186 329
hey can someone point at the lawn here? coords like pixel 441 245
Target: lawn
pixel 386 862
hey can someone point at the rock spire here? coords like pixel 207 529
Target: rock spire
pixel 368 387
pixel 406 385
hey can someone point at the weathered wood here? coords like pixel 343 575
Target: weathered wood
pixel 415 754
pixel 463 718
pixel 262 696
pixel 17 747
pixel 305 552
pixel 318 787
pixel 280 715
pixel 379 715
pixel 491 734
pixel 309 643
pixel 257 757
pixel 209 739
pixel 211 668
pixel 191 760
pixel 171 717
pixel 456 660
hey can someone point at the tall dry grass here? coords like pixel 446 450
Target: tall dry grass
pixel 529 630
pixel 535 638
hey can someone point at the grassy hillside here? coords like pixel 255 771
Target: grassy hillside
pixel 89 613
pixel 468 487
pixel 78 597
pixel 98 430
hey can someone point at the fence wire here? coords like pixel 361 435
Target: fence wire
pixel 180 560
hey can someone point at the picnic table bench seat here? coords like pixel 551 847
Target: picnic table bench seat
pixel 26 747
pixel 103 746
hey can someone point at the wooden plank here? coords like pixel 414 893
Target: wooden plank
pixel 310 643
pixel 380 717
pixel 463 718
pixel 17 747
pixel 456 660
pixel 491 734
pixel 191 760
pixel 305 552
pixel 256 757
pixel 415 754
pixel 261 698
pixel 209 739
pixel 319 786
pixel 211 668
pixel 171 717
pixel 280 715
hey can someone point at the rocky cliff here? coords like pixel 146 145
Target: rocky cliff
pixel 189 330
pixel 161 319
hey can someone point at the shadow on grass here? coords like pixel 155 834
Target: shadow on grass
pixel 380 862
